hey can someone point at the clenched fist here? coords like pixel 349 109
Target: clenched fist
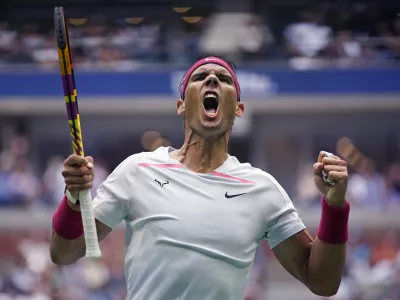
pixel 336 169
pixel 78 173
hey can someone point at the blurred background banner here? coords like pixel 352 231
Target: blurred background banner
pixel 164 81
pixel 315 76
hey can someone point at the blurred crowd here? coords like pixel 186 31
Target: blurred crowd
pixel 367 187
pixel 22 186
pixel 306 38
pixel 373 266
pixel 26 273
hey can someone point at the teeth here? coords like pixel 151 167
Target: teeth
pixel 210 95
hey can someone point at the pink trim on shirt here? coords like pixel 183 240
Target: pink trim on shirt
pixel 163 166
pixel 178 166
pixel 232 178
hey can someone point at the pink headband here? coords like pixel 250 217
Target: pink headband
pixel 210 60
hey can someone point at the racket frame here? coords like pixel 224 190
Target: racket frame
pixel 71 101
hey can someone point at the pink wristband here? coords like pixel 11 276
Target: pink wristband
pixel 67 223
pixel 333 227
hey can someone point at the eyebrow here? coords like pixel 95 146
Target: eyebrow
pixel 220 74
pixel 222 71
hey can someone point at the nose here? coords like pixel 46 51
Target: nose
pixel 212 81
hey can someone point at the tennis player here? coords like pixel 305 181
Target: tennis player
pixel 196 215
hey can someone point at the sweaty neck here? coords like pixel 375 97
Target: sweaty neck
pixel 201 155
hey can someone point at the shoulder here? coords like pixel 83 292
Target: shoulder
pixel 132 162
pixel 260 177
pixel 266 185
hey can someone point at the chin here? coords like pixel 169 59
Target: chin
pixel 211 130
pixel 211 124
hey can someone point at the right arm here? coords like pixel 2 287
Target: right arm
pixel 109 211
pixel 65 252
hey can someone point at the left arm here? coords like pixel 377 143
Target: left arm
pixel 319 263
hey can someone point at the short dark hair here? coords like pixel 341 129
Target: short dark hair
pixel 230 64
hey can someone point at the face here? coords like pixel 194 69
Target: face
pixel 210 104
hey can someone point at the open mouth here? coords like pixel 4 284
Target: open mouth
pixel 211 103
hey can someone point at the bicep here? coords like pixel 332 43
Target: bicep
pixel 108 206
pixel 293 254
pixel 112 202
pixel 286 233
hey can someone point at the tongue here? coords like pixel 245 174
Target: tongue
pixel 211 110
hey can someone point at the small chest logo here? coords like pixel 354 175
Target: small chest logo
pixel 233 195
pixel 161 183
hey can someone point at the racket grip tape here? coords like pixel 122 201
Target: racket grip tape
pixel 89 225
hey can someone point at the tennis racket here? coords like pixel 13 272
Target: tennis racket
pixel 71 101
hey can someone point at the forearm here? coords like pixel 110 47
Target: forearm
pixel 319 263
pixel 327 255
pixel 324 266
pixel 65 252
pixel 67 241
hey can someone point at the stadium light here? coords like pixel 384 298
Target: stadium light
pixel 134 21
pixel 77 22
pixel 181 10
pixel 192 20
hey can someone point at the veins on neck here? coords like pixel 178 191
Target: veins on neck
pixel 201 155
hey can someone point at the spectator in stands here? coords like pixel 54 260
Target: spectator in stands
pixel 111 57
pixel 393 185
pixel 310 42
pixel 308 38
pixel 19 147
pixel 389 33
pixel 396 31
pixel 46 55
pixel 8 38
pixel 366 187
pixel 255 38
pixel 385 249
pixel 348 50
pixel 19 54
pixel 18 185
pixel 148 44
pixel 24 185
pixel 101 174
pixel 53 181
pixel 372 265
pixel 5 188
pixel 92 38
pixel 306 192
pixel 31 37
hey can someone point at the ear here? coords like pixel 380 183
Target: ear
pixel 239 110
pixel 180 107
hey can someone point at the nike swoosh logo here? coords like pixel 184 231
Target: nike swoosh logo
pixel 233 196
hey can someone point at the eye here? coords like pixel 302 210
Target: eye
pixel 225 79
pixel 199 77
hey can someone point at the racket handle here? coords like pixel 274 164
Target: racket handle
pixel 89 225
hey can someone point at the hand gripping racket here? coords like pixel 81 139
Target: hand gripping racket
pixel 71 101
